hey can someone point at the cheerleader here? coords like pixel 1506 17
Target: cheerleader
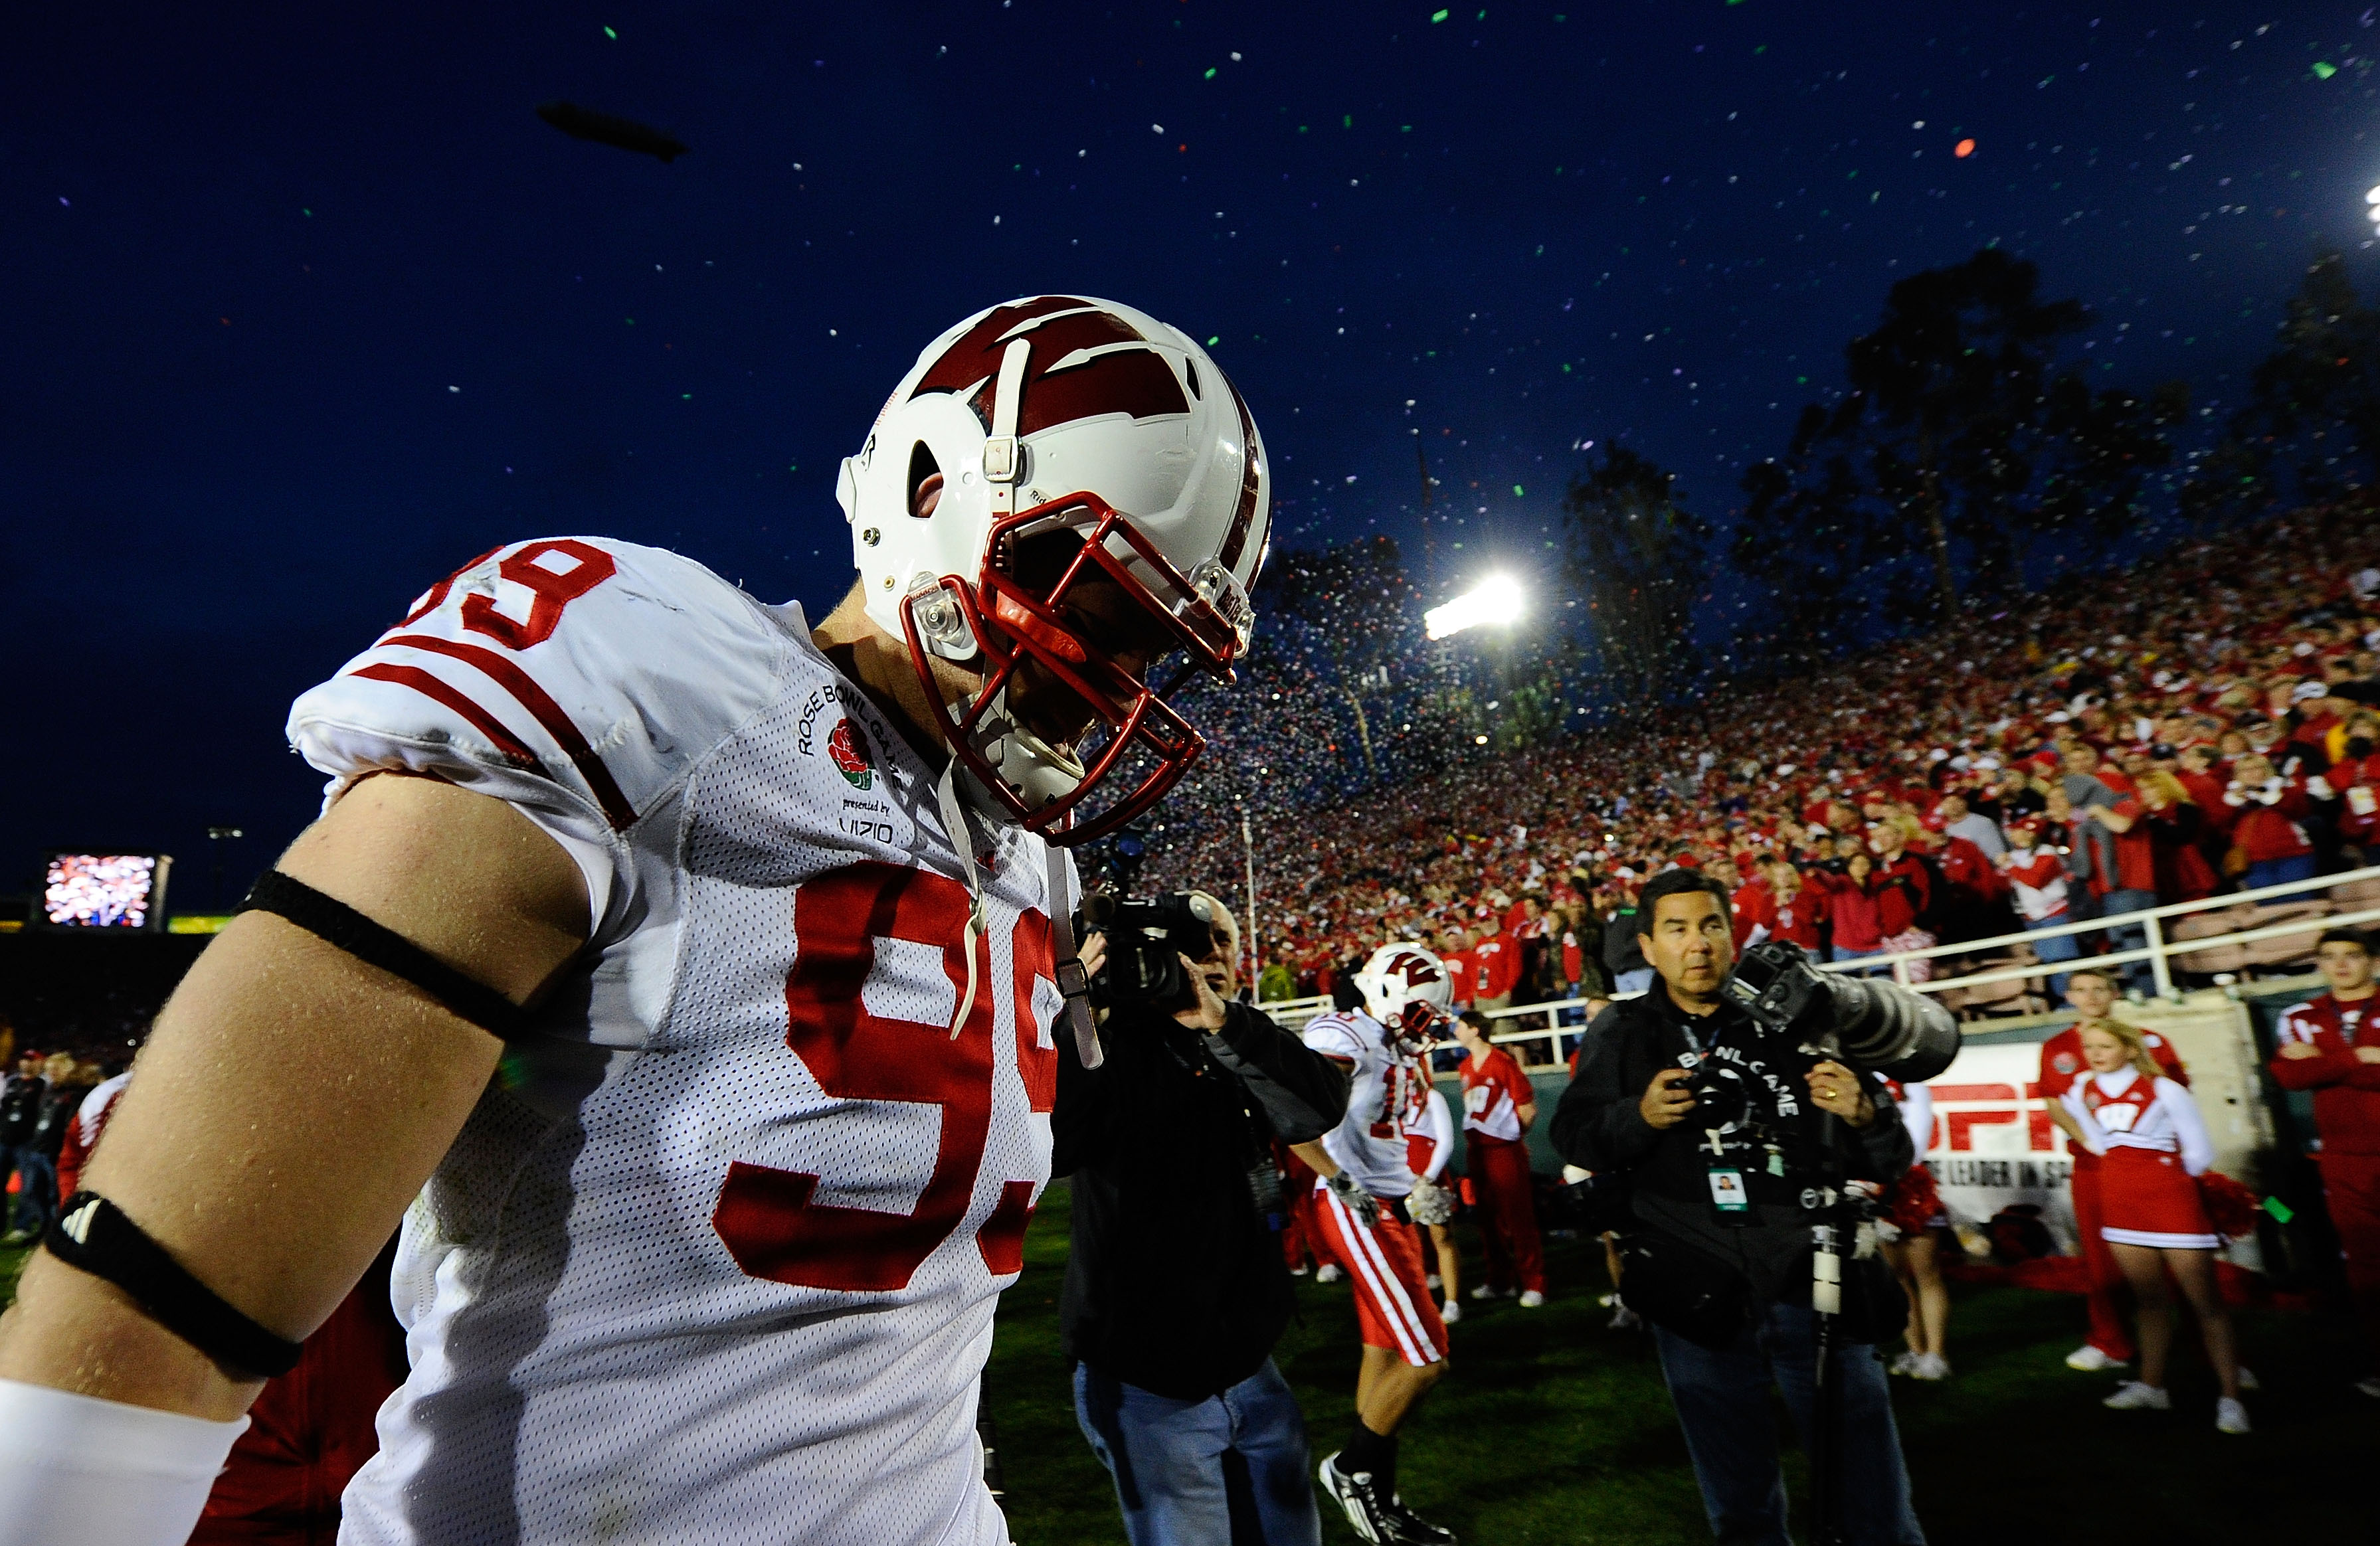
pixel 1430 1144
pixel 2146 1130
pixel 1916 1212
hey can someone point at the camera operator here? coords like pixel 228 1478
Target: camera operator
pixel 1175 1286
pixel 1719 1259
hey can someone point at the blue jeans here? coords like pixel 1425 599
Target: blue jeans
pixel 2135 936
pixel 2059 947
pixel 36 1187
pixel 1722 1401
pixel 1842 954
pixel 1173 1465
pixel 2279 872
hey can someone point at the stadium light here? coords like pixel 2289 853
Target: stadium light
pixel 1494 600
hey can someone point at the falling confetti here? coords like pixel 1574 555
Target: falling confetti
pixel 1964 149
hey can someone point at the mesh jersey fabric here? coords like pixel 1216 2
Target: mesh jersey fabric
pixel 1370 1142
pixel 717 1260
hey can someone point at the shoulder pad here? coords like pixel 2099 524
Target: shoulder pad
pixel 601 669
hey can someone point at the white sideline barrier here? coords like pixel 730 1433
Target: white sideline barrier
pixel 2159 952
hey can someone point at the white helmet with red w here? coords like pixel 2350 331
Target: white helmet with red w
pixel 1076 441
pixel 1406 988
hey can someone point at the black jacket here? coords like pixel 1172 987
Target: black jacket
pixel 1600 1126
pixel 1175 1283
pixel 20 1108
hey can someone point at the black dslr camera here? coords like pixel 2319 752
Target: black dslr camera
pixel 1147 939
pixel 1869 1024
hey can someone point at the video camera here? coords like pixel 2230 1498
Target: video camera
pixel 1869 1024
pixel 1147 939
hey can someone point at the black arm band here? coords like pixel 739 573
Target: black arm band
pixel 95 1235
pixel 337 922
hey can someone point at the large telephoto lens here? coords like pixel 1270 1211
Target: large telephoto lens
pixel 1884 1026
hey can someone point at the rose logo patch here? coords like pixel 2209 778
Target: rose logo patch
pixel 849 750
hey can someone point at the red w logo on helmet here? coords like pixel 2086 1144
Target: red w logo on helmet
pixel 1087 361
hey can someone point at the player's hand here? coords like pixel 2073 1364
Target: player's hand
pixel 1351 1194
pixel 2295 1050
pixel 1664 1106
pixel 1429 1204
pixel 1207 1014
pixel 1839 1090
pixel 2367 1053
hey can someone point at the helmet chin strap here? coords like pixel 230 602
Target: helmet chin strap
pixel 1073 981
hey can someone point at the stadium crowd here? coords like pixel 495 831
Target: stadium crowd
pixel 2204 721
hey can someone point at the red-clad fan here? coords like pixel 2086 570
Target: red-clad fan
pixel 1500 1105
pixel 2355 778
pixel 2153 1147
pixel 2331 1045
pixel 1462 972
pixel 1754 907
pixel 1798 914
pixel 2092 991
pixel 2262 811
pixel 1495 965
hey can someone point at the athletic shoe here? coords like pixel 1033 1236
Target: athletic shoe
pixel 2090 1359
pixel 1299 1272
pixel 2133 1397
pixel 1434 1281
pixel 2248 1379
pixel 2370 1387
pixel 1903 1364
pixel 1384 1521
pixel 1449 1313
pixel 1625 1318
pixel 1531 1300
pixel 2230 1417
pixel 1930 1366
pixel 1484 1292
pixel 1328 1272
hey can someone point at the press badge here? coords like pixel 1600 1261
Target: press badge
pixel 1729 1196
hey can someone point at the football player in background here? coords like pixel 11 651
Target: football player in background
pixel 1367 1225
pixel 684 976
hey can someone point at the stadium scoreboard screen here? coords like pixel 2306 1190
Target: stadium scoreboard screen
pixel 119 893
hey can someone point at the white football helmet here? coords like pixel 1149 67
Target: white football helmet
pixel 1077 438
pixel 1406 989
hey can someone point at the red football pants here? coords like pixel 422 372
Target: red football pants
pixel 1298 1242
pixel 1508 1209
pixel 2107 1332
pixel 2350 1186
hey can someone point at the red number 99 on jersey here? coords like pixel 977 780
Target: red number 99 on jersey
pixel 768 1218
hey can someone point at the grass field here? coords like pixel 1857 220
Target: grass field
pixel 1551 1429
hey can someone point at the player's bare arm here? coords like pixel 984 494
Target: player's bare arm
pixel 294 1099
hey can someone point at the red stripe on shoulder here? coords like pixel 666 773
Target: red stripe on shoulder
pixel 487 724
pixel 525 690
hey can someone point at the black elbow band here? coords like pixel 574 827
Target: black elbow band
pixel 335 922
pixel 93 1235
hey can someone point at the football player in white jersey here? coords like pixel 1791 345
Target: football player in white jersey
pixel 684 977
pixel 1363 1223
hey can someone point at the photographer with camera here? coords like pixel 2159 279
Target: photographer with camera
pixel 1175 1286
pixel 1731 1106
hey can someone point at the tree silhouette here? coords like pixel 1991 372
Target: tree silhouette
pixel 1640 562
pixel 2312 424
pixel 1961 443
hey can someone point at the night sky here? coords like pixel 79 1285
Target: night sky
pixel 306 306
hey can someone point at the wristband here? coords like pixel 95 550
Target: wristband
pixel 103 1473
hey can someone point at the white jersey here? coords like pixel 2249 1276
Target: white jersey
pixel 1370 1142
pixel 715 1259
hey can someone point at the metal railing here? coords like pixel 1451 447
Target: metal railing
pixel 2159 952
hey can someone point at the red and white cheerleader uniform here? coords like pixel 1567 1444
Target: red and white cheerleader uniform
pixel 1912 1204
pixel 2153 1142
